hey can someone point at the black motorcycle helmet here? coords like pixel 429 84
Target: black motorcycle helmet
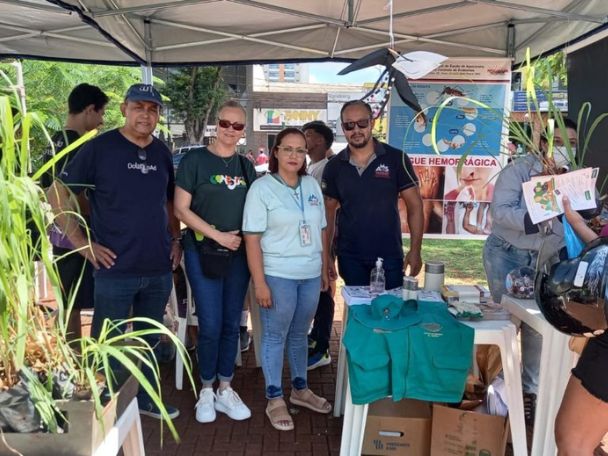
pixel 571 294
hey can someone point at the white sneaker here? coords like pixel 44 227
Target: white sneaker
pixel 205 410
pixel 230 403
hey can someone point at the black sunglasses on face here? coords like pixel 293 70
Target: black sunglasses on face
pixel 142 154
pixel 237 126
pixel 349 126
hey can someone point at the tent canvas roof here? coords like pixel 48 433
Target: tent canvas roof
pixel 164 32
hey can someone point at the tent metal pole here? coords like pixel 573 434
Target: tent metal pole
pixel 418 12
pixel 473 28
pixel 36 6
pixel 543 28
pixel 510 46
pixel 238 37
pixel 548 12
pixel 224 40
pixel 155 7
pixel 52 33
pixel 146 70
pixel 289 11
pixel 421 39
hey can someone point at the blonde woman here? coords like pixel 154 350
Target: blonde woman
pixel 211 186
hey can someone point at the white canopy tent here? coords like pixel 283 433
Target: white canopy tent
pixel 164 32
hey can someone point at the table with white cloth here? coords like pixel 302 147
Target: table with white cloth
pixel 556 361
pixel 497 332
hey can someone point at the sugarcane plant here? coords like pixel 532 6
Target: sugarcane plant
pixel 37 362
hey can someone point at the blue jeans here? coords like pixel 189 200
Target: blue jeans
pixel 500 258
pixel 148 297
pixel 356 271
pixel 218 303
pixel 294 303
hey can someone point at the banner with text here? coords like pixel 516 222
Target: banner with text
pixel 455 204
pixel 275 119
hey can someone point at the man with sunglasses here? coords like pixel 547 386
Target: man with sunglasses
pixel 130 178
pixel 365 181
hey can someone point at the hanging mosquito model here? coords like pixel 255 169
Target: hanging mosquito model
pixel 397 69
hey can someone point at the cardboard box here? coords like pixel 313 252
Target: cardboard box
pixel 398 428
pixel 466 433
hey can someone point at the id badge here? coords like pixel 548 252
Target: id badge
pixel 305 234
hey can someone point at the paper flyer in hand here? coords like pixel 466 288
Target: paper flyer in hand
pixel 543 194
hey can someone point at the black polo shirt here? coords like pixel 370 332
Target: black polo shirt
pixel 368 219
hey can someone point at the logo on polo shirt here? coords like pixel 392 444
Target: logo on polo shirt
pixel 313 200
pixel 382 171
pixel 145 169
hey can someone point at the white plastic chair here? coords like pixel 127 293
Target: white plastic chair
pixel 182 327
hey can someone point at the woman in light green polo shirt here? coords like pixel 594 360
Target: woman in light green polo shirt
pixel 283 225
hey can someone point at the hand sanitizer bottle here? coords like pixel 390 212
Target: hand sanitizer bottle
pixel 377 282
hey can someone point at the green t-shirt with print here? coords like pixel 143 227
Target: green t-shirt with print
pixel 218 188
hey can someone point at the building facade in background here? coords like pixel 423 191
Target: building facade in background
pixel 286 72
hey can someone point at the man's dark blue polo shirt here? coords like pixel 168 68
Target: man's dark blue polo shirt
pixel 368 219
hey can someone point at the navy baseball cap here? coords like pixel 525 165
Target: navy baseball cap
pixel 143 92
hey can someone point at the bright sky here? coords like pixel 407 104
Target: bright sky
pixel 327 73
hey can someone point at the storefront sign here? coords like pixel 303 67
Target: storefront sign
pixel 277 118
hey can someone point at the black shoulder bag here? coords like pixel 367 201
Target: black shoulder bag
pixel 216 259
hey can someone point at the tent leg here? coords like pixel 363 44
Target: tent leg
pixel 510 40
pixel 146 70
pixel 146 74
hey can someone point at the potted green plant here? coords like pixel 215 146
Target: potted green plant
pixel 53 393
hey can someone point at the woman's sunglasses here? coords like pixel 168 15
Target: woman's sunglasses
pixel 142 154
pixel 237 126
pixel 349 126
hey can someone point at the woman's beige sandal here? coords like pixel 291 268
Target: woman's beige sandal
pixel 306 398
pixel 279 416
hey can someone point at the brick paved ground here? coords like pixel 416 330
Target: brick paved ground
pixel 314 434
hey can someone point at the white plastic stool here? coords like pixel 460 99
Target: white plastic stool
pixel 341 375
pixel 256 324
pixel 181 335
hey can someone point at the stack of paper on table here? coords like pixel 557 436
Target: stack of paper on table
pixel 465 293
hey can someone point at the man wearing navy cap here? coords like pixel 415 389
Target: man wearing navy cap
pixel 134 234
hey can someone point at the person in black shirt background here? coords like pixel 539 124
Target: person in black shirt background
pixel 86 104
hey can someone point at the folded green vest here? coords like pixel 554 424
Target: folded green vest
pixel 412 350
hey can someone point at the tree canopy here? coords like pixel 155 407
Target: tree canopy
pixel 48 84
pixel 194 94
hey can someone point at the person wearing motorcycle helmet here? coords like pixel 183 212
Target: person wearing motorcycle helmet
pixel 582 420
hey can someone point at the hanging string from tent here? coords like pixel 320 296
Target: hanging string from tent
pixel 397 69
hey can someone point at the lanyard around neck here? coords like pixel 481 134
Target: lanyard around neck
pixel 300 204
